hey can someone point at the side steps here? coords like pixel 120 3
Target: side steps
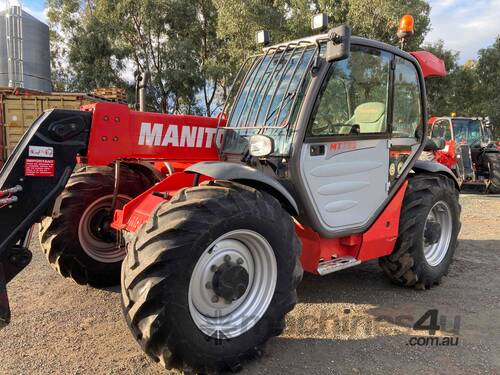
pixel 337 264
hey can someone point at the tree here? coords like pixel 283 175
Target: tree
pixel 212 58
pixel 379 19
pixel 93 59
pixel 193 48
pixel 162 37
pixel 439 89
pixel 82 55
pixel 488 72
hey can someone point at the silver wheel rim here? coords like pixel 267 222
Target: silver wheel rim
pixel 93 246
pixel 220 318
pixel 440 213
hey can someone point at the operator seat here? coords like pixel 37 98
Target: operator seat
pixel 370 117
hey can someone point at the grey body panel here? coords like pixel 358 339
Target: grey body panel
pixel 242 173
pixel 346 186
pixel 433 167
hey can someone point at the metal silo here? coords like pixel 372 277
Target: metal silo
pixel 24 50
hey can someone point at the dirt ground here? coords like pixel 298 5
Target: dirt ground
pixel 350 322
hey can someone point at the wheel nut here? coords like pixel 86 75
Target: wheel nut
pixel 213 268
pixel 215 299
pixel 208 285
pixel 240 261
pixel 227 258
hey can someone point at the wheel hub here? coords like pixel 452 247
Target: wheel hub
pixel 100 226
pixel 97 239
pixel 437 233
pixel 230 281
pixel 432 232
pixel 232 284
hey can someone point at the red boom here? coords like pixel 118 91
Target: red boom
pixel 119 133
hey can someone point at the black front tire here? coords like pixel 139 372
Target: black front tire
pixel 160 260
pixel 59 234
pixel 407 265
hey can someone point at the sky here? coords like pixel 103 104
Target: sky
pixel 464 25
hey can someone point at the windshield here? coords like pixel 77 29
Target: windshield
pixel 467 131
pixel 268 96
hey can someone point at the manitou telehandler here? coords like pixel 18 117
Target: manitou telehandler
pixel 470 150
pixel 315 167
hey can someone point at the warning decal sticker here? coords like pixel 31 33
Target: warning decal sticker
pixel 41 151
pixel 39 167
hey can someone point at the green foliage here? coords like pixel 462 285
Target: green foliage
pixel 379 19
pixel 83 57
pixel 488 73
pixel 439 88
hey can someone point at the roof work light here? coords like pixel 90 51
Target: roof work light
pixel 319 22
pixel 263 37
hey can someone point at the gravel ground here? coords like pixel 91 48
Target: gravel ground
pixel 350 322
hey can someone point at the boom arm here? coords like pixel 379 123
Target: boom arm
pixel 41 164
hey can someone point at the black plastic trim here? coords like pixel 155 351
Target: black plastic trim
pixel 248 176
pixel 433 167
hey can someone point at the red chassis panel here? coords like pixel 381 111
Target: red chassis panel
pixel 120 133
pixel 137 211
pixel 376 242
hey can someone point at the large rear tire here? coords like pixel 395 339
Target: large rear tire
pixel 209 278
pixel 493 160
pixel 428 231
pixel 76 239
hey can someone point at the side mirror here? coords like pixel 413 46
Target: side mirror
pixel 434 144
pixel 338 46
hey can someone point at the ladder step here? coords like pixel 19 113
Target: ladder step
pixel 337 264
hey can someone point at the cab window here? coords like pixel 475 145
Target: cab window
pixel 407 114
pixel 353 99
pixel 441 129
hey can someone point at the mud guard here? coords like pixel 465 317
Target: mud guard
pixel 433 167
pixel 248 176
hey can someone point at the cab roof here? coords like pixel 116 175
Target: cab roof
pixel 430 64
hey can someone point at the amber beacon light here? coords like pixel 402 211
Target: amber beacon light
pixel 405 30
pixel 406 26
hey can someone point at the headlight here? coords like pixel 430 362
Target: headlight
pixel 260 145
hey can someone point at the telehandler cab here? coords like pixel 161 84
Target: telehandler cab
pixel 316 168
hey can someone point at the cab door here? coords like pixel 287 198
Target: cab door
pixel 407 118
pixel 344 161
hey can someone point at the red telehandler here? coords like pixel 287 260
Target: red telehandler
pixel 469 150
pixel 316 168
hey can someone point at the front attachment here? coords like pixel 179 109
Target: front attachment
pixel 4 301
pixel 31 179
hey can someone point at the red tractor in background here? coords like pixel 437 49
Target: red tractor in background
pixel 469 150
pixel 316 168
